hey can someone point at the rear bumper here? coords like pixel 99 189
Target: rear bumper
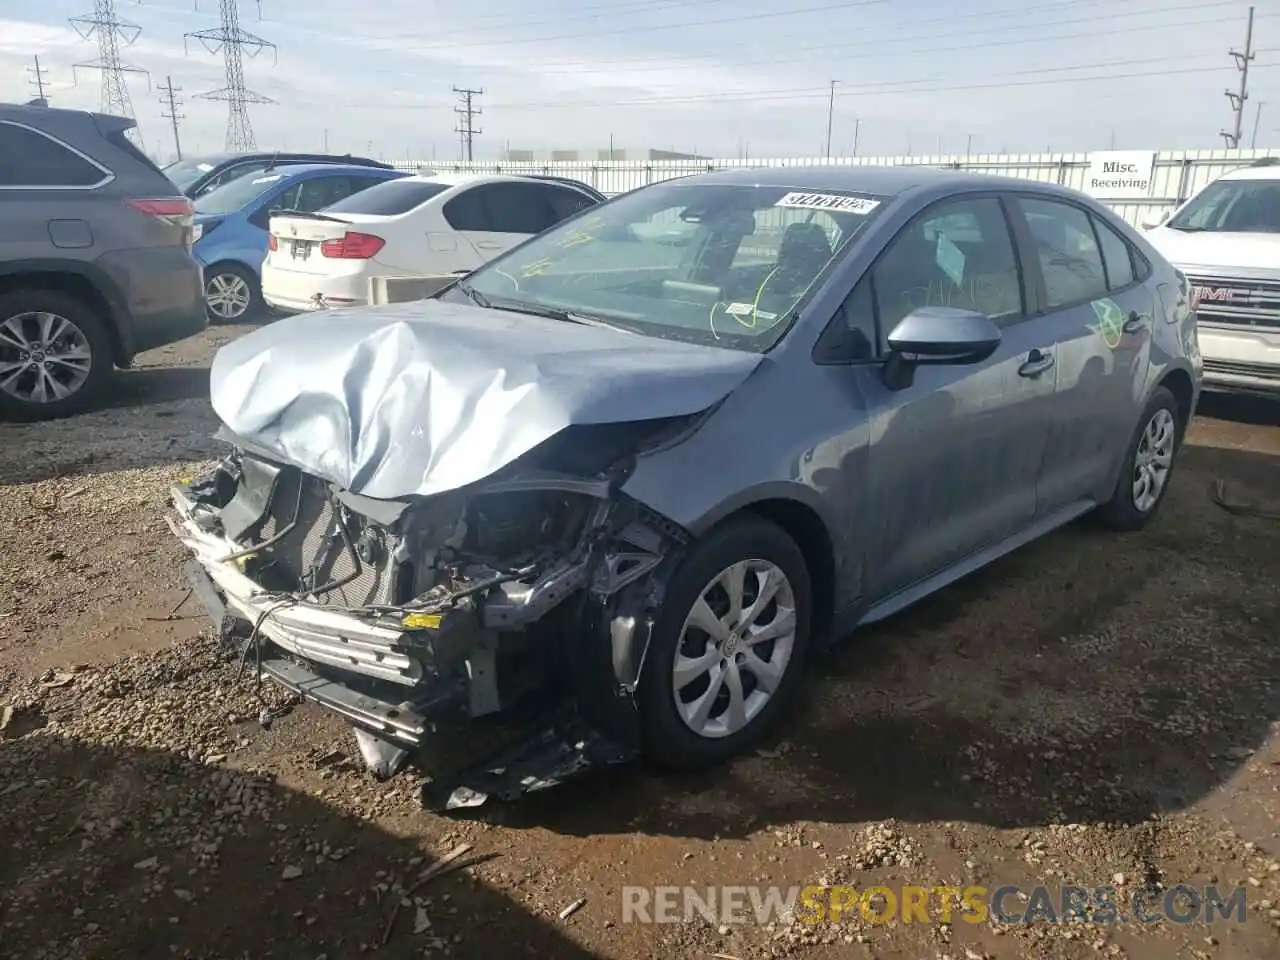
pixel 291 291
pixel 163 297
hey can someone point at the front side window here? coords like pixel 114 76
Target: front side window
pixel 1067 249
pixel 721 264
pixel 1232 206
pixel 957 254
pixel 30 159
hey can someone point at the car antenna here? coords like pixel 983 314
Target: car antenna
pixel 274 157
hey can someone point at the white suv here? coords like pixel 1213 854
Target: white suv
pixel 1226 239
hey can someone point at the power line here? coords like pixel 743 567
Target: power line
pixel 1238 100
pixel 37 80
pixel 234 43
pixel 865 90
pixel 890 47
pixel 170 103
pixel 111 33
pixel 467 111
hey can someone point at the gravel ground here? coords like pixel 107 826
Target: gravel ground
pixel 1094 710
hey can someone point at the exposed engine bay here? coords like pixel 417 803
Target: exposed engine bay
pixel 395 614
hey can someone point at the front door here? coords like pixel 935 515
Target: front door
pixel 954 457
pixel 1100 314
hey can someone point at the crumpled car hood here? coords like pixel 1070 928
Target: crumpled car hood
pixel 420 398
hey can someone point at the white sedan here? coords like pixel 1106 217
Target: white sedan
pixel 422 226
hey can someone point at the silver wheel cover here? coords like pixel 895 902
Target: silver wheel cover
pixel 227 295
pixel 734 648
pixel 1153 460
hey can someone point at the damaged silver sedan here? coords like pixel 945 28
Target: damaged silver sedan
pixel 644 459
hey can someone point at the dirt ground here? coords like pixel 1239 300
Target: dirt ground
pixel 1097 709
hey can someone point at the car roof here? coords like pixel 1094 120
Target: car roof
pixel 1253 173
pixel 294 169
pixel 877 180
pixel 32 113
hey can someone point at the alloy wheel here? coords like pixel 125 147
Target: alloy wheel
pixel 1154 459
pixel 227 295
pixel 734 648
pixel 44 357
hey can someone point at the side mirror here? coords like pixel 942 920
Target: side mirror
pixel 938 335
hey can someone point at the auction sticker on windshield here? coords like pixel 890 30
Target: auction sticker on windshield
pixel 839 203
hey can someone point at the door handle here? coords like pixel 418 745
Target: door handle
pixel 1135 322
pixel 488 245
pixel 1038 361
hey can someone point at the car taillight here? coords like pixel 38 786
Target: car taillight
pixel 272 242
pixel 352 246
pixel 175 211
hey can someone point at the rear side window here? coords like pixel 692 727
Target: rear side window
pixel 1067 249
pixel 1116 256
pixel 521 208
pixel 28 158
pixel 567 203
pixel 389 197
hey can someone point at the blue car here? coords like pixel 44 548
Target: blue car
pixel 231 225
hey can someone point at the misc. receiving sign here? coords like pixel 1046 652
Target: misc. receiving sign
pixel 1120 174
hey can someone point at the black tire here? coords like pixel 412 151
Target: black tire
pixel 94 330
pixel 667 739
pixel 1121 512
pixel 256 305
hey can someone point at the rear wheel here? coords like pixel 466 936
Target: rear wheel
pixel 55 355
pixel 231 293
pixel 1148 465
pixel 727 652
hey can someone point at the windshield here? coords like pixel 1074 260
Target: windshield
pixel 390 198
pixel 186 172
pixel 238 193
pixel 1233 206
pixel 720 264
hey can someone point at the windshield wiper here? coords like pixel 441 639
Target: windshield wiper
pixel 550 313
pixel 472 294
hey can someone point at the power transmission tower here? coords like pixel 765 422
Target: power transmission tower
pixel 235 44
pixel 38 80
pixel 111 33
pixel 467 111
pixel 170 103
pixel 1238 99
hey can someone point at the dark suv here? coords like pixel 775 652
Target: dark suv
pixel 95 259
pixel 196 176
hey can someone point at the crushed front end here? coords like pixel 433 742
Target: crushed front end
pixel 397 614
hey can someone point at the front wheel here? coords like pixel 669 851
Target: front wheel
pixel 1148 464
pixel 231 293
pixel 727 653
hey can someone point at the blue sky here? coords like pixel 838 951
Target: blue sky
pixel 724 77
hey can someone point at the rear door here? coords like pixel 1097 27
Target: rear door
pixel 1092 298
pixel 494 217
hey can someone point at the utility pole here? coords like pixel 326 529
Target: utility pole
pixel 857 124
pixel 467 111
pixel 1238 99
pixel 169 104
pixel 1257 117
pixel 831 109
pixel 234 43
pixel 37 80
pixel 111 33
